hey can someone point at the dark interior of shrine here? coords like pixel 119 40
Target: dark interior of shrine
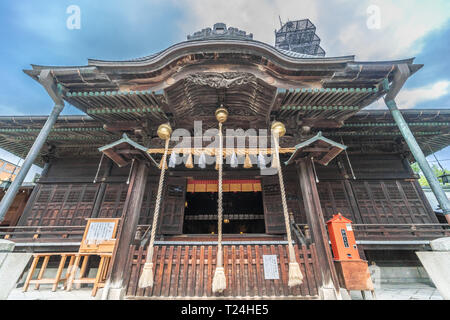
pixel 243 213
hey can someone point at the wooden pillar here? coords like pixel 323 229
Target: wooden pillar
pixel 101 190
pixel 129 222
pixel 314 214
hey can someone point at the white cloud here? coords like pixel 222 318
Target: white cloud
pixel 409 98
pixel 341 24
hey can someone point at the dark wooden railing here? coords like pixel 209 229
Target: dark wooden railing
pixel 400 231
pixel 187 271
pixel 41 234
pixel 374 232
pixel 385 232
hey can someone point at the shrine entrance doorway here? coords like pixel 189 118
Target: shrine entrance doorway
pixel 242 204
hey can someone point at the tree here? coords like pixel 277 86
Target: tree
pixel 436 170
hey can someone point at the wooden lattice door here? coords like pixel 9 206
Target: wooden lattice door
pixel 172 206
pixel 273 208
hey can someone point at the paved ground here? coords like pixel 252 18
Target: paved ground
pixel 45 293
pixel 411 291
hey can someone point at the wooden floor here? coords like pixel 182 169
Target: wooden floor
pixel 184 272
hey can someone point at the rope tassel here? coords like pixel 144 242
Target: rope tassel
pixel 295 274
pixel 146 278
pixel 219 283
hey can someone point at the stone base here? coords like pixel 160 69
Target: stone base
pixel 437 265
pixel 441 244
pixel 6 246
pixel 115 294
pixel 329 292
pixel 11 268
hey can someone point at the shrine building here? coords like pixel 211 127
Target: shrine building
pixel 253 148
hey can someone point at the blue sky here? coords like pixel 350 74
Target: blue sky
pixel 35 32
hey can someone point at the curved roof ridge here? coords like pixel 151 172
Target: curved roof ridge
pixel 290 55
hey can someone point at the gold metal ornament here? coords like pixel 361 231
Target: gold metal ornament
pixel 221 115
pixel 164 131
pixel 279 128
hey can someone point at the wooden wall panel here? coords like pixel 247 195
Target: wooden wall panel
pixel 61 204
pixel 295 201
pixel 71 204
pixel 377 166
pixel 82 171
pixel 74 169
pixel 148 204
pixel 390 201
pixel 329 172
pixel 334 199
pixel 113 200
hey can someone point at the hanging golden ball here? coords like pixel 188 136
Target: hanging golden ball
pixel 279 128
pixel 164 131
pixel 221 115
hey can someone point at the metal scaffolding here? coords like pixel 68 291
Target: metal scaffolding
pixel 299 36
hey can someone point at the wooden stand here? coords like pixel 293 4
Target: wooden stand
pixel 354 275
pixel 99 240
pixel 100 278
pixel 54 281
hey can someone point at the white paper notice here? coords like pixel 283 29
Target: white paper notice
pixel 270 267
pixel 100 231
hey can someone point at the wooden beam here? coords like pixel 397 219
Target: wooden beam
pixel 130 218
pixel 128 151
pixel 314 215
pixel 312 149
pixel 119 160
pixel 123 126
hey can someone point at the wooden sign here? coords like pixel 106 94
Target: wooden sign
pixel 270 267
pixel 99 236
pixel 100 231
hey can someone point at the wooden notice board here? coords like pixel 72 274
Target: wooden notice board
pixel 99 235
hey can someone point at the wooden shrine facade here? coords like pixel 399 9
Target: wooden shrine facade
pixel 386 206
pixel 385 192
pixel 370 183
